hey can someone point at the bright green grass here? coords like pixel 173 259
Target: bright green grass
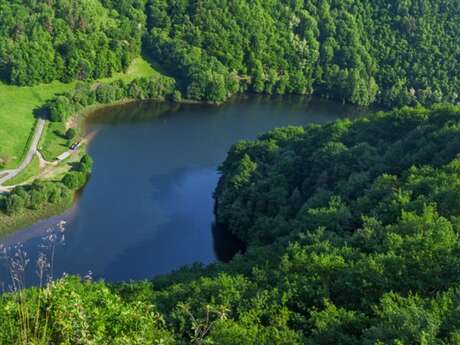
pixel 33 169
pixel 53 142
pixel 138 68
pixel 17 120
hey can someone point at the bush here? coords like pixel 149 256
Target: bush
pixel 14 204
pixel 37 199
pixel 176 96
pixel 71 133
pixel 86 164
pixel 106 93
pixel 74 180
pixel 59 109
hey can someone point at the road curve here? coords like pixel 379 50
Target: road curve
pixel 9 174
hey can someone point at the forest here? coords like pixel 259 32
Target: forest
pixel 42 41
pixel 351 232
pixel 392 53
pixel 351 229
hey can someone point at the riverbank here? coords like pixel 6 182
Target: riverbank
pixel 11 224
pixel 18 106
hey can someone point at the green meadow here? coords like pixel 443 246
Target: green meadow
pixel 17 105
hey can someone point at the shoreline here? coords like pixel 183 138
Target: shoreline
pixel 11 224
pixel 29 217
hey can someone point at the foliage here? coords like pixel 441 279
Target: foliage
pixel 42 41
pixel 352 237
pixel 83 95
pixel 393 53
pixel 70 134
pixel 41 193
pixel 79 313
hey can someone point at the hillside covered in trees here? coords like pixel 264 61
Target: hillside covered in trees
pixel 351 230
pixel 42 41
pixel 390 52
pixel 352 237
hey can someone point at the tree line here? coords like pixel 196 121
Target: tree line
pixel 393 53
pixel 85 94
pixel 364 52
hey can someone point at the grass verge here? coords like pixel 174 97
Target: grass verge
pixel 33 169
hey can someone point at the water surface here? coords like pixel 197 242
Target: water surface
pixel 148 207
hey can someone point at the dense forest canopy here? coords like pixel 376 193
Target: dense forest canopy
pixel 352 234
pixel 392 52
pixel 351 230
pixel 42 41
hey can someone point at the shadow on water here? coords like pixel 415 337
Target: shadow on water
pixel 148 207
pixel 132 112
pixel 226 245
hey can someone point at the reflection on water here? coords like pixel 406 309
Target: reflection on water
pixel 226 245
pixel 148 207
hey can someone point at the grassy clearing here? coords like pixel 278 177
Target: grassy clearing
pixel 53 141
pixel 17 120
pixel 33 169
pixel 139 68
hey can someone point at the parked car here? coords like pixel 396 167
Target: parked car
pixel 75 146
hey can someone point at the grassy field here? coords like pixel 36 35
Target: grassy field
pixel 33 169
pixel 53 141
pixel 17 120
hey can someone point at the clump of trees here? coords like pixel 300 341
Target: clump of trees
pixel 400 53
pixel 42 193
pixel 42 41
pixel 157 87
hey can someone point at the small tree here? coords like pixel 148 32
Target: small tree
pixel 14 204
pixel 74 180
pixel 86 164
pixel 59 109
pixel 37 199
pixel 71 133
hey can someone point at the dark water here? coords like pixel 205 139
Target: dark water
pixel 148 207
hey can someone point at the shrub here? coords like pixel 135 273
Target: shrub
pixel 71 133
pixel 86 164
pixel 74 180
pixel 176 96
pixel 106 93
pixel 59 109
pixel 14 204
pixel 37 199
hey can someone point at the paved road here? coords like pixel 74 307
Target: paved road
pixel 9 174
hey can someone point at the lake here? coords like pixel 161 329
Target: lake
pixel 148 207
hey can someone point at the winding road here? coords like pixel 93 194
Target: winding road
pixel 9 174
